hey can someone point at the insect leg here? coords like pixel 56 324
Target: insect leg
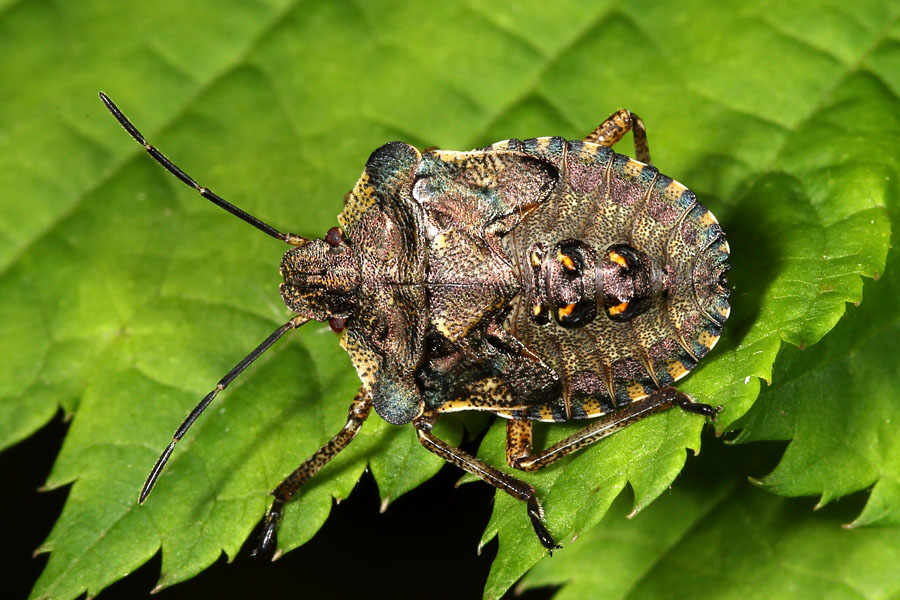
pixel 198 410
pixel 518 433
pixel 359 411
pixel 614 129
pixel 514 487
pixel 518 441
pixel 290 238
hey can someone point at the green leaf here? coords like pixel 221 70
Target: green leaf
pixel 126 296
pixel 838 403
pixel 715 536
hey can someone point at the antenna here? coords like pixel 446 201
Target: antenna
pixel 290 238
pixel 198 410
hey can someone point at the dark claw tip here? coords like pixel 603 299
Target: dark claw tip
pixel 699 409
pixel 267 542
pixel 547 541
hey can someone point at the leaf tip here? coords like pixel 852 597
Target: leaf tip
pixel 822 502
pixel 42 549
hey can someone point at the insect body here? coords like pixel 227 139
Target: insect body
pixel 542 279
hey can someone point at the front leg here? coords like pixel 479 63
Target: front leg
pixel 359 410
pixel 518 432
pixel 514 487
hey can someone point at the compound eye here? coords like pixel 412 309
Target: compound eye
pixel 334 237
pixel 337 324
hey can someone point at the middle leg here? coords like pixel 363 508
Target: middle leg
pixel 514 487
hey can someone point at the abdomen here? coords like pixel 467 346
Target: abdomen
pixel 622 272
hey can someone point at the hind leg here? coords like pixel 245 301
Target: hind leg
pixel 518 433
pixel 614 129
pixel 514 487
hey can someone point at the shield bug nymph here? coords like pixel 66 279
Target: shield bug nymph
pixel 539 280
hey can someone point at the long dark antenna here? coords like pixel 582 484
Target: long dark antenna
pixel 198 410
pixel 290 238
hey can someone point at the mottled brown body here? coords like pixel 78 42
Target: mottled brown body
pixel 576 338
pixel 608 201
pixel 542 279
